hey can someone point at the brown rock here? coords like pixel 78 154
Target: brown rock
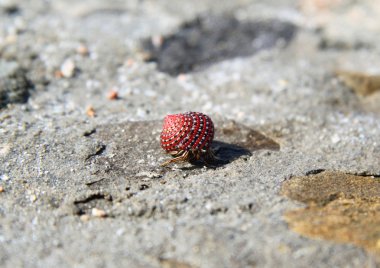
pixel 340 207
pixel 362 83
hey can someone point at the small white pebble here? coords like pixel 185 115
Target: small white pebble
pixel 157 41
pixel 98 213
pixel 68 68
pixel 84 218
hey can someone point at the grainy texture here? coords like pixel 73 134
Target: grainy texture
pixel 14 86
pixel 209 39
pixel 341 207
pixel 79 172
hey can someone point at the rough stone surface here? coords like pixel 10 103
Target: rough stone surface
pixel 341 207
pixel 14 86
pixel 210 39
pixel 79 172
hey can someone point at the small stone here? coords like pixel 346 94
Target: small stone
pixel 90 111
pixel 112 95
pixel 1 189
pixel 58 74
pixel 84 217
pixel 157 41
pixel 98 213
pixel 182 77
pixel 82 50
pixel 68 68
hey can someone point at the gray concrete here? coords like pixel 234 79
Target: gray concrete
pixel 58 164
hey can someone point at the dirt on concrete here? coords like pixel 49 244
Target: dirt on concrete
pixel 340 207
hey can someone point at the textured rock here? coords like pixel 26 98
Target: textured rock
pixel 341 207
pixel 14 86
pixel 70 155
pixel 361 83
pixel 207 40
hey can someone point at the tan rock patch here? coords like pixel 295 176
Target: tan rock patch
pixel 340 207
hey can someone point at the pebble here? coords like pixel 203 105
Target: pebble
pixel 1 189
pixel 182 77
pixel 82 50
pixel 90 111
pixel 112 95
pixel 98 213
pixel 84 217
pixel 68 68
pixel 157 41
pixel 58 74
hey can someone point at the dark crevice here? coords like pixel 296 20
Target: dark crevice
pixel 89 132
pixel 98 151
pixel 97 200
pixel 94 182
pixel 314 171
pixel 90 198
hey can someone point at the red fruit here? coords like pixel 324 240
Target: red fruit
pixel 187 136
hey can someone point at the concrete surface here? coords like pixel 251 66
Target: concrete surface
pixel 80 177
